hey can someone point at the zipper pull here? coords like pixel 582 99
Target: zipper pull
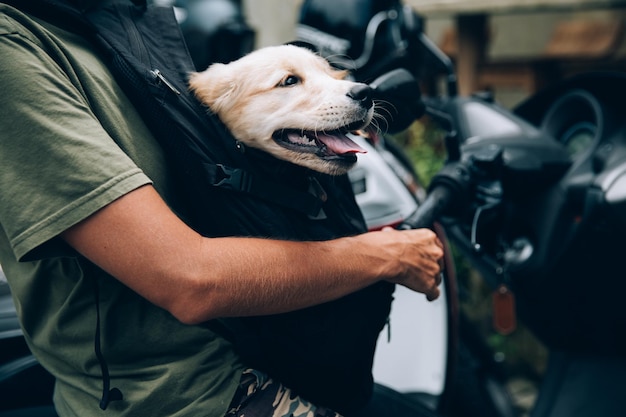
pixel 159 76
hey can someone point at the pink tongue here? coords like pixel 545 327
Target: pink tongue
pixel 340 144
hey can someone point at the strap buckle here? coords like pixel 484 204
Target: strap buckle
pixel 232 178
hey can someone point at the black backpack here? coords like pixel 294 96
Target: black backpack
pixel 325 352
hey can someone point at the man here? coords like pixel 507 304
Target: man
pixel 92 248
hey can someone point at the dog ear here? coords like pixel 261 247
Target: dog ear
pixel 305 45
pixel 212 86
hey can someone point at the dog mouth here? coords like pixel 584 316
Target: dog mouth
pixel 329 145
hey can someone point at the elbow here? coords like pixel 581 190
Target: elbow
pixel 193 307
pixel 188 295
pixel 191 316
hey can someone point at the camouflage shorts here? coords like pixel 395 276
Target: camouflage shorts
pixel 260 396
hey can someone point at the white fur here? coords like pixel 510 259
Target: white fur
pixel 250 97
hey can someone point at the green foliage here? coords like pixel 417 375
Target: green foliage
pixel 424 144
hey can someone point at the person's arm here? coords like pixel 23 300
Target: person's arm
pixel 141 242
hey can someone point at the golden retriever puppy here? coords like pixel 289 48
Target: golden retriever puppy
pixel 289 102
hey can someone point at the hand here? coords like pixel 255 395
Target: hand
pixel 420 261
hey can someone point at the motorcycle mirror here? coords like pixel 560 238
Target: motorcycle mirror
pixel 397 96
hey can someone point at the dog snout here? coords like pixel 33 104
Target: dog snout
pixel 361 93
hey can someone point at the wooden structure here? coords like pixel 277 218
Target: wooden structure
pixel 575 45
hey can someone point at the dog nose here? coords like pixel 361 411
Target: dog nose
pixel 362 93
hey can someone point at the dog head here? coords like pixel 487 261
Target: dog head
pixel 289 102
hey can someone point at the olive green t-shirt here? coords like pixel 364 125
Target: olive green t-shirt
pixel 70 143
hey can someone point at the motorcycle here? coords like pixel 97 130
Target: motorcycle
pixel 533 198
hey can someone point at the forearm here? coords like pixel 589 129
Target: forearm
pixel 252 276
pixel 138 240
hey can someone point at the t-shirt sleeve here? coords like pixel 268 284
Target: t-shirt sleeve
pixel 58 165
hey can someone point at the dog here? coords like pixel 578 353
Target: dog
pixel 288 101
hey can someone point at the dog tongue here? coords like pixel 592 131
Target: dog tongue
pixel 340 144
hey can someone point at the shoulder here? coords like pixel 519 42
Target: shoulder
pixel 27 44
pixel 15 24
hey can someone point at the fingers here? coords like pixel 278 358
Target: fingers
pixel 433 295
pixel 426 263
pixel 433 292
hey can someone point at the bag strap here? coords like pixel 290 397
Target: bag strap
pixel 241 180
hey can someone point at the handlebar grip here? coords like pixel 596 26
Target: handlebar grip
pixel 437 201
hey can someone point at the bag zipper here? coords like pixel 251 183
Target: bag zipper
pixel 160 78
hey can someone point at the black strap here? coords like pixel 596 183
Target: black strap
pixel 108 394
pixel 237 179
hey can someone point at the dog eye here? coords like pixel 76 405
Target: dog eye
pixel 289 81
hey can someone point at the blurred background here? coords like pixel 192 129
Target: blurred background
pixel 511 47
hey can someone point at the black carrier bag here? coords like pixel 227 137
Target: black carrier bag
pixel 324 353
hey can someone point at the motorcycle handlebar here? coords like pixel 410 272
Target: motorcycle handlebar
pixel 437 202
pixel 449 190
